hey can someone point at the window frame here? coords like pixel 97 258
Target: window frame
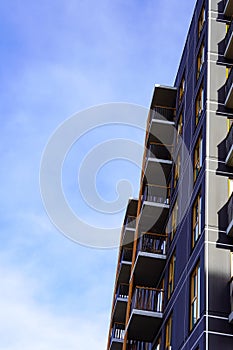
pixel 171 275
pixel 174 220
pixel 195 284
pixel 168 333
pixel 199 103
pixel 201 20
pixel 197 157
pixel 177 166
pixel 200 59
pixel 196 218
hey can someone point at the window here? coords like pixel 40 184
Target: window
pixel 168 335
pixel 171 275
pixel 201 21
pixel 182 87
pixel 176 170
pixel 174 220
pixel 199 103
pixel 198 158
pixel 195 296
pixel 196 227
pixel 179 127
pixel 200 59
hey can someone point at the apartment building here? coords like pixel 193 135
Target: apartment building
pixel 174 280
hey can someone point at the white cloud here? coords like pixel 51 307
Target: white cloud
pixel 27 324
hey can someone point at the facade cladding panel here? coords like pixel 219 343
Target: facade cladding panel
pixel 191 304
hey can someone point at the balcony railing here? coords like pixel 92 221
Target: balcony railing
pixel 126 254
pixel 159 151
pixel 156 194
pixel 147 299
pixel 122 291
pixel 136 345
pixel 229 33
pixel 162 113
pixel 229 141
pixel 230 216
pixel 152 243
pixel 229 82
pixel 118 331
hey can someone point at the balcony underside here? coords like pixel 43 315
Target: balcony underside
pixel 116 344
pixel 148 268
pixel 228 11
pixel 128 237
pixel 161 130
pixel 153 215
pixel 229 48
pixel 144 325
pixel 164 96
pixel 124 273
pixel 230 229
pixel 119 312
pixel 229 158
pixel 157 171
pixel 229 98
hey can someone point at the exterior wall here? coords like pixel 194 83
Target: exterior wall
pixel 218 246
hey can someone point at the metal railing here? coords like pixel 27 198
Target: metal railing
pixel 230 210
pixel 229 82
pixel 122 291
pixel 148 299
pixel 126 254
pixel 152 243
pixel 160 151
pixel 118 331
pixel 136 345
pixel 163 113
pixel 156 194
pixel 229 139
pixel 229 33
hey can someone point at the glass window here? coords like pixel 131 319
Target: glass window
pixel 176 170
pixel 196 227
pixel 171 275
pixel 168 335
pixel 182 87
pixel 158 344
pixel 199 103
pixel 197 158
pixel 174 220
pixel 201 21
pixel 195 296
pixel 179 127
pixel 200 59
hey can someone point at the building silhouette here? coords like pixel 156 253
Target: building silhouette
pixel 174 284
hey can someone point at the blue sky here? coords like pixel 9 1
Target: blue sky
pixel 58 58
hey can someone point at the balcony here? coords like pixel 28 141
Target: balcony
pixel 229 42
pixel 229 230
pixel 129 231
pixel 155 208
pixel 231 301
pixel 159 162
pixel 229 147
pixel 150 260
pixel 229 90
pixel 136 345
pixel 117 336
pixel 120 305
pixel 161 124
pixel 125 266
pixel 146 314
pixel 228 9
